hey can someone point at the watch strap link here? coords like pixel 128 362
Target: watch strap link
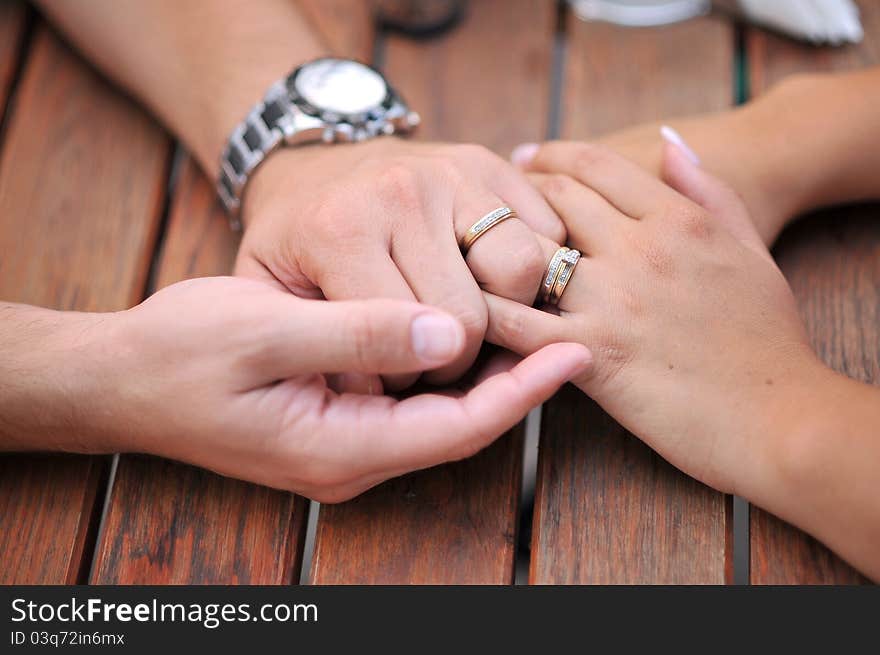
pixel 260 133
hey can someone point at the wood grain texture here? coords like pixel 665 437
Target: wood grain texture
pixel 169 523
pixel 485 82
pixel 607 509
pixel 82 177
pixel 832 260
pixel 12 32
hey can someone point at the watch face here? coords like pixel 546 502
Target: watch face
pixel 341 86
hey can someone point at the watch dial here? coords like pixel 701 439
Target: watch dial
pixel 341 86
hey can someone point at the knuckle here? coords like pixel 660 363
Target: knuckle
pixel 526 276
pixel 686 219
pixel 591 155
pixel 510 328
pixel 556 185
pixel 474 316
pixel 658 258
pixel 652 250
pixel 335 222
pixel 693 222
pixel 449 169
pixel 558 234
pixel 398 185
pixel 366 343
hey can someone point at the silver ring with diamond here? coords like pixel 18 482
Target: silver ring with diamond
pixel 486 223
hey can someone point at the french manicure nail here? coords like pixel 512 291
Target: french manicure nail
pixel 435 337
pixel 524 153
pixel 673 137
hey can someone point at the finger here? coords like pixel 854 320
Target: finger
pixel 593 223
pixel 681 173
pixel 624 184
pixel 512 185
pixel 583 285
pixel 365 336
pixel 430 429
pixel 434 269
pixel 525 330
pixel 372 274
pixel 506 259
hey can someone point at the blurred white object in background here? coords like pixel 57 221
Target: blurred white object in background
pixel 820 22
pixel 639 13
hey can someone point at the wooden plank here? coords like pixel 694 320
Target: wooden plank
pixel 487 82
pixel 168 523
pixel 607 509
pixel 12 31
pixel 82 177
pixel 831 260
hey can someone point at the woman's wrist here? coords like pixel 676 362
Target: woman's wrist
pixel 801 426
pixel 823 473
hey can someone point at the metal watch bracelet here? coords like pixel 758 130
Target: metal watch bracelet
pixel 287 116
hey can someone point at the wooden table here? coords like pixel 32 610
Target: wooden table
pixel 98 207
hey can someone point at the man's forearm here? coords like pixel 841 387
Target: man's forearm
pixel 54 374
pixel 200 65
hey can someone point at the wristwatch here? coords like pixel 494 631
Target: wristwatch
pixel 330 100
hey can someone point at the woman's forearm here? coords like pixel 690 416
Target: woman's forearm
pixel 825 462
pixel 811 141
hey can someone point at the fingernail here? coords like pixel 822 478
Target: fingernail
pixel 524 153
pixel 435 337
pixel 673 137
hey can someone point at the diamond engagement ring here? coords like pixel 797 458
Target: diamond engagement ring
pixel 550 275
pixel 483 225
pixel 558 274
pixel 567 263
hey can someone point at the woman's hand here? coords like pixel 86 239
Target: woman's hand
pixel 227 373
pixel 698 348
pixel 382 219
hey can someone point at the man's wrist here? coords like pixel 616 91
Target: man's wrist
pixel 239 95
pixel 58 373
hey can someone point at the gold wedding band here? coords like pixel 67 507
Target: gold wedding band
pixel 569 261
pixel 558 274
pixel 550 275
pixel 478 229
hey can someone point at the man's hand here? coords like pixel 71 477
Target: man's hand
pixel 382 220
pixel 228 374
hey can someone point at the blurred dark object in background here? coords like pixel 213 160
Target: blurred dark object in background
pixel 419 18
